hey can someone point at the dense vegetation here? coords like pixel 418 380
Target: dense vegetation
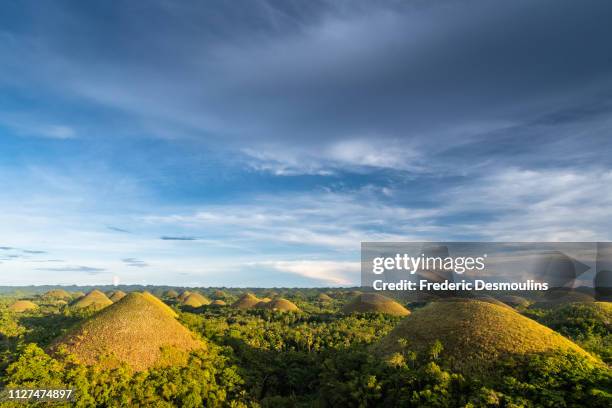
pixel 314 357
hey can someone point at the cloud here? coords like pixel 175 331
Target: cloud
pixel 87 269
pixel 135 262
pixel 182 238
pixel 116 229
pixel 329 272
pixel 29 251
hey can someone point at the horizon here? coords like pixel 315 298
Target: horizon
pixel 259 145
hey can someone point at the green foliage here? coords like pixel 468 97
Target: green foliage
pixel 316 357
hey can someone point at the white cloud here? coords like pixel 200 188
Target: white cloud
pixel 355 154
pixel 331 272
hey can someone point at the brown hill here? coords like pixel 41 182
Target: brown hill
pixel 246 301
pixel 282 305
pixel 375 303
pixel 77 294
pixel 116 296
pixel 21 306
pixel 57 294
pixel 93 300
pixel 136 331
pixel 171 294
pixel 154 299
pixel 217 302
pixel 196 300
pixel 219 294
pixel 184 295
pixel 474 334
pixel 323 297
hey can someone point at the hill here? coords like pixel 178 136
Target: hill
pixel 57 294
pixel 323 297
pixel 136 330
pixel 171 294
pixel 514 301
pixel 155 300
pixel 94 300
pixel 562 298
pixel 246 301
pixel 474 334
pixel 217 302
pixel 282 305
pixel 23 306
pixel 196 300
pixel 374 303
pixel 184 295
pixel 116 296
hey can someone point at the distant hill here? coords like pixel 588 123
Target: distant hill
pixel 57 294
pixel 196 300
pixel 93 300
pixel 246 301
pixel 374 303
pixel 116 295
pixel 137 331
pixel 282 305
pixel 21 306
pixel 474 334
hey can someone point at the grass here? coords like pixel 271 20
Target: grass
pixel 93 300
pixel 23 306
pixel 474 334
pixel 374 303
pixel 136 331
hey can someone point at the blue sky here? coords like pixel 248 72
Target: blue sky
pixel 257 143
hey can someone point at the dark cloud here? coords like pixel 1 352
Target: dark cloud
pixel 135 262
pixel 303 76
pixel 182 238
pixel 5 248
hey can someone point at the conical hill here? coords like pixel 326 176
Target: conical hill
pixel 474 334
pixel 93 300
pixel 137 331
pixel 21 306
pixel 246 301
pixel 374 303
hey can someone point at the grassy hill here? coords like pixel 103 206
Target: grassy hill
pixel 116 295
pixel 57 294
pixel 246 301
pixel 22 306
pixel 93 300
pixel 282 305
pixel 137 330
pixel 196 300
pixel 474 334
pixel 374 303
pixel 155 300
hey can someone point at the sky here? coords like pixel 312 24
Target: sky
pixel 258 143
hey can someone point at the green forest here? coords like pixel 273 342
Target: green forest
pixel 177 347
